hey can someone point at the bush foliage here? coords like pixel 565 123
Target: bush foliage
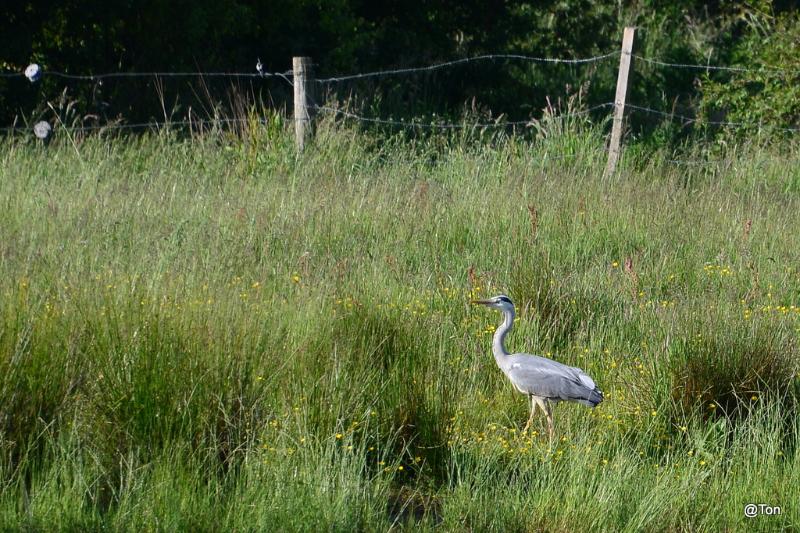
pixel 345 36
pixel 765 99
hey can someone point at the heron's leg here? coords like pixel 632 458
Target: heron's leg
pixel 533 411
pixel 542 403
pixel 548 410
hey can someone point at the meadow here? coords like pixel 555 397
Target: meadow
pixel 209 333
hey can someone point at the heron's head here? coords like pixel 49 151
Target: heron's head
pixel 500 302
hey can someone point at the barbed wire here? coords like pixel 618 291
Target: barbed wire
pixel 715 163
pixel 674 116
pixel 107 75
pixel 390 72
pixel 406 123
pixel 697 66
pixel 691 120
pixel 693 162
pixel 414 123
pixel 541 158
pixel 546 156
pixel 285 75
pixel 487 57
pixel 145 125
pixel 699 162
pixel 445 126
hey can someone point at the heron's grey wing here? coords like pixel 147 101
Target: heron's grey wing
pixel 550 379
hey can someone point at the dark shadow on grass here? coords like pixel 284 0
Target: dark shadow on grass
pixel 561 311
pixel 406 506
pixel 715 377
pixel 415 422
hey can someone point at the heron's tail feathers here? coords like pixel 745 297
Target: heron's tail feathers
pixel 593 398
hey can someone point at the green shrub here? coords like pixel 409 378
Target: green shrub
pixel 764 100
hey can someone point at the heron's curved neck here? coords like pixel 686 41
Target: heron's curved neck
pixel 498 346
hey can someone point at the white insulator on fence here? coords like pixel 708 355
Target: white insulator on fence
pixel 42 129
pixel 33 72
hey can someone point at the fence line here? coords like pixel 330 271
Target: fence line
pixel 487 57
pixel 716 163
pixel 697 162
pixel 409 70
pixel 697 66
pixel 97 77
pixel 146 125
pixel 291 78
pixel 334 79
pixel 691 120
pixel 543 157
pixel 445 126
pixel 326 109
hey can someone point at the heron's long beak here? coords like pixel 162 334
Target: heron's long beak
pixel 481 302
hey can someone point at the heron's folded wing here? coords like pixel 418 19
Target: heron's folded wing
pixel 549 382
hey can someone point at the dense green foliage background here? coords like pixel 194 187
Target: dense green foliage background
pixel 345 36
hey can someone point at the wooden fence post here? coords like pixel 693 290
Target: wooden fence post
pixel 303 79
pixel 619 101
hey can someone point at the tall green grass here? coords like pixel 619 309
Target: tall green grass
pixel 214 334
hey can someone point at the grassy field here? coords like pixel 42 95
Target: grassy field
pixel 213 334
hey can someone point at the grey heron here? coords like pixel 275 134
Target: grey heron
pixel 544 381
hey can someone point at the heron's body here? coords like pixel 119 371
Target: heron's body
pixel 545 381
pixel 553 381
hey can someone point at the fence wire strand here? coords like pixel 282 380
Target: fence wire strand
pixel 719 163
pixel 108 75
pixel 446 126
pixel 288 73
pixel 414 123
pixel 692 120
pixel 446 64
pixel 697 66
pixel 213 123
pixel 409 70
pixel 146 125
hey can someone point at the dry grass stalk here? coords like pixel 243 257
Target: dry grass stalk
pixel 633 276
pixel 474 279
pixel 421 193
pixel 754 290
pixel 534 217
